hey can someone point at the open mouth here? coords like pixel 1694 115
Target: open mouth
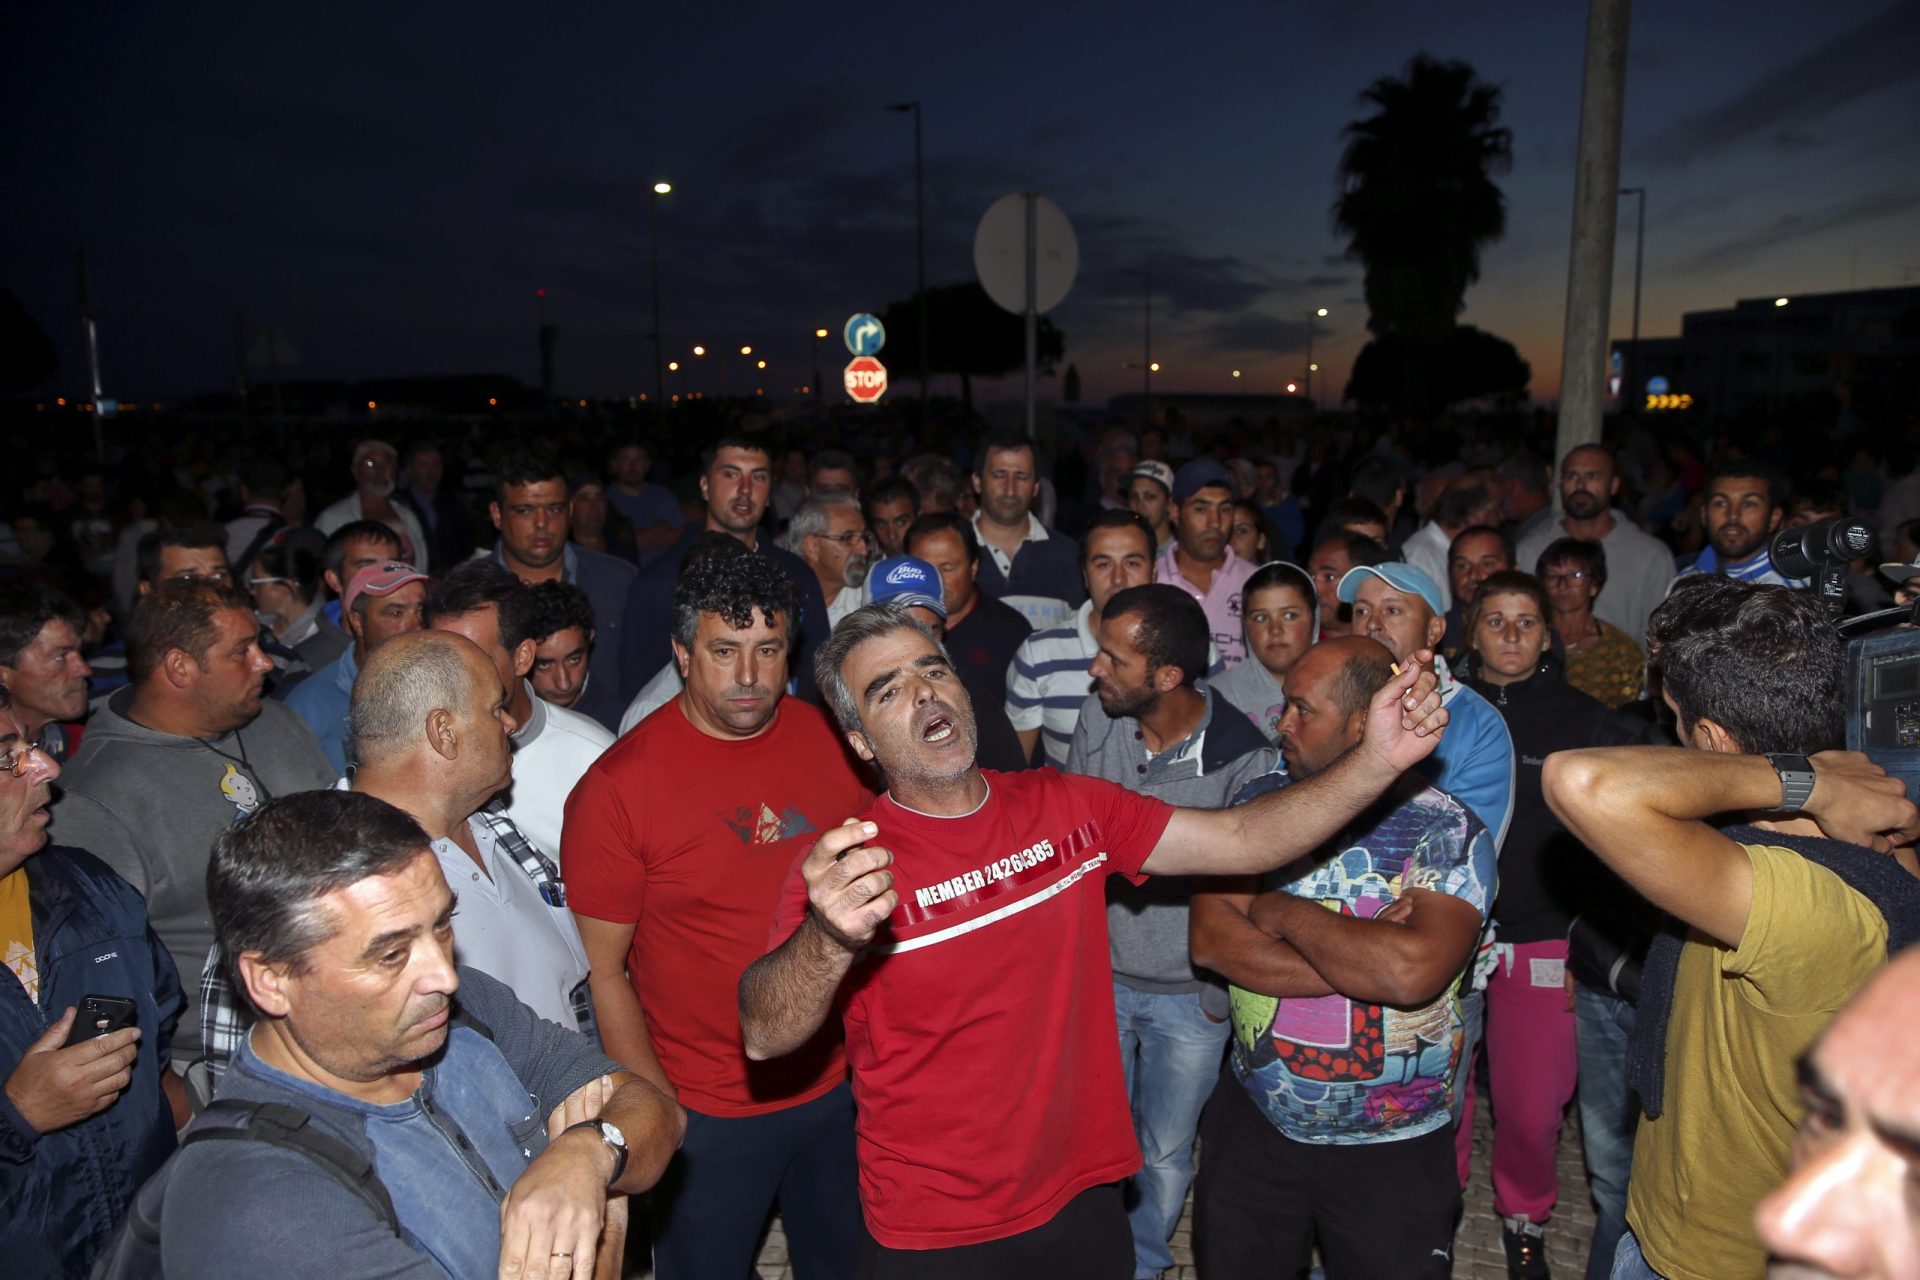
pixel 940 728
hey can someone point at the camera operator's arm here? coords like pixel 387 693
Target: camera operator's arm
pixel 1643 811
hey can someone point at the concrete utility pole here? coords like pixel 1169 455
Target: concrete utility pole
pixel 1596 187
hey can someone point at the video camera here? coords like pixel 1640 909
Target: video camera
pixel 1883 648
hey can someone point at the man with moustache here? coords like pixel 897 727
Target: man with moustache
pixel 376 469
pixel 1200 562
pixel 830 534
pixel 1743 511
pixel 677 842
pixel 970 936
pixel 503 1143
pixel 1639 566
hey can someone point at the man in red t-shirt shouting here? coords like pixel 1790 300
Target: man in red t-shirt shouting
pixel 676 845
pixel 964 914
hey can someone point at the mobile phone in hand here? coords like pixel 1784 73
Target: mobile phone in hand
pixel 99 1016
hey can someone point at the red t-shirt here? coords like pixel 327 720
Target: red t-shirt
pixel 980 1025
pixel 690 838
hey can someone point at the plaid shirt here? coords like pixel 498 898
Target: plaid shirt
pixel 225 1017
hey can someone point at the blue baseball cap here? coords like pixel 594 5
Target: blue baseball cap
pixel 908 580
pixel 1198 475
pixel 1399 576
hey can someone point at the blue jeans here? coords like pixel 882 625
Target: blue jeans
pixel 1629 1263
pixel 1609 1112
pixel 1171 1054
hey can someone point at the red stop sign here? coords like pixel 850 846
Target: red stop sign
pixel 866 379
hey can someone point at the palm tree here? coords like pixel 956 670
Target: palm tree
pixel 1417 199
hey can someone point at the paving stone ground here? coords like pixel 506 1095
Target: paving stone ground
pixel 1477 1251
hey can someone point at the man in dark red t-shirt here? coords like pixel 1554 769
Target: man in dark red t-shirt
pixel 968 946
pixel 676 845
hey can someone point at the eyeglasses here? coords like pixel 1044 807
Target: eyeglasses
pixel 1562 579
pixel 261 582
pixel 16 760
pixel 846 539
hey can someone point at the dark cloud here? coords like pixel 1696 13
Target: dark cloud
pixel 1883 50
pixel 1739 250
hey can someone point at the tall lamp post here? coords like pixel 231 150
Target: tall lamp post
pixel 1311 366
pixel 1147 365
pixel 818 334
pixel 919 236
pixel 1629 395
pixel 653 237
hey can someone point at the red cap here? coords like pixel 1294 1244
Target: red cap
pixel 380 580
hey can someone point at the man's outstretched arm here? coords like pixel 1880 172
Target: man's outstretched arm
pixel 785 994
pixel 1643 811
pixel 1403 727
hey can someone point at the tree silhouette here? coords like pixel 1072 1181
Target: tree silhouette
pixel 971 336
pixel 1418 377
pixel 1417 200
pixel 1070 385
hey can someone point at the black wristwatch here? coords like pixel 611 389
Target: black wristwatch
pixel 610 1134
pixel 1796 780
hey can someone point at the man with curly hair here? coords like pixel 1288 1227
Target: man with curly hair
pixel 677 842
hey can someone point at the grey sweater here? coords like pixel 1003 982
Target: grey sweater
pixel 1147 924
pixel 150 804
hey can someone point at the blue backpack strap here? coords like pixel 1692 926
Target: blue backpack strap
pixel 291 1128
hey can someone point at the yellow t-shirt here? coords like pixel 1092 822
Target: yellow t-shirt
pixel 16 931
pixel 1741 1019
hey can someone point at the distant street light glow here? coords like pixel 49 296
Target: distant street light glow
pixel 1292 387
pixel 760 364
pixel 746 351
pixel 1154 367
pixel 1321 312
pixel 1236 373
pixel 699 351
pixel 673 366
pixel 662 188
pixel 1779 302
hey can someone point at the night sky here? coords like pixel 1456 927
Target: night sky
pixel 391 183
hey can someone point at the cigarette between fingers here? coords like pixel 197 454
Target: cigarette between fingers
pixel 1395 666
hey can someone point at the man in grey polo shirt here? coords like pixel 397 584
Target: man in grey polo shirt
pixel 1151 726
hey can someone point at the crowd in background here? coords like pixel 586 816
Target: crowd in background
pixel 203 624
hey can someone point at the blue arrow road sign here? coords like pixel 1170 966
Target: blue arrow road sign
pixel 865 335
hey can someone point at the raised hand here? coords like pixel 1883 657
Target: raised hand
pixel 1855 800
pixel 849 884
pixel 1405 718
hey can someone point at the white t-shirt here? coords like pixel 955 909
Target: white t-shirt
pixel 550 752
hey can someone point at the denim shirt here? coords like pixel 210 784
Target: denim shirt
pixel 447 1154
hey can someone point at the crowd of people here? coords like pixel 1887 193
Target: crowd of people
pixel 973 853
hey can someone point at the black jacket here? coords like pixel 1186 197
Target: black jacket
pixel 1546 876
pixel 63 1191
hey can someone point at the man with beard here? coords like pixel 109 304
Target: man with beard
pixel 1200 562
pixel 376 468
pixel 180 755
pixel 1153 726
pixel 829 533
pixel 504 1143
pixel 677 842
pixel 1347 1034
pixel 736 485
pixel 1639 566
pixel 1743 512
pixel 993 1122
pixel 533 516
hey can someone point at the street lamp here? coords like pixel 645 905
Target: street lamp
pixel 1629 394
pixel 1311 366
pixel 919 236
pixel 1147 367
pixel 653 240
pixel 818 335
